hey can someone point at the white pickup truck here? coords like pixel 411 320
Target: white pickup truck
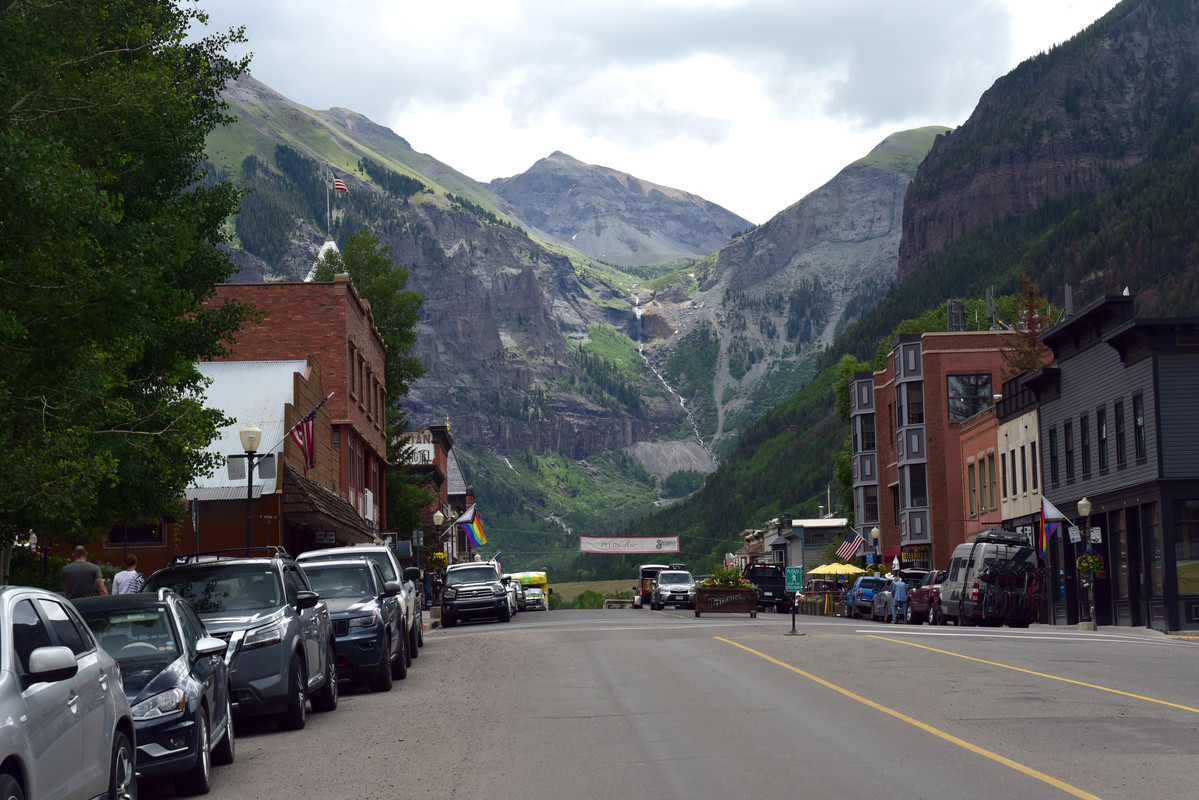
pixel 385 557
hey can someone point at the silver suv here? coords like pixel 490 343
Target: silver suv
pixel 281 646
pixel 673 587
pixel 65 725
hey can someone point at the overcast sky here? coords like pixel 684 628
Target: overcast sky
pixel 750 104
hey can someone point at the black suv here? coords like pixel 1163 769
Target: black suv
pixel 281 646
pixel 772 586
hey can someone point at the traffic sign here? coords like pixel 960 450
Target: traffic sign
pixel 794 579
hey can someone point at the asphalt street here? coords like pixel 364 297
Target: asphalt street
pixel 623 703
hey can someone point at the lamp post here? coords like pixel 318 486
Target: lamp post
pixel 1084 508
pixel 874 534
pixel 251 437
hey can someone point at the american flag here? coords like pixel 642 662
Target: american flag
pixel 303 433
pixel 340 185
pixel 849 549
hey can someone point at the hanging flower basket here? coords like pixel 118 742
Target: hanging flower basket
pixel 1090 563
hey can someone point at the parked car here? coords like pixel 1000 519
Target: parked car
pixel 513 601
pixel 175 679
pixel 535 599
pixel 644 590
pixel 372 644
pixel 518 589
pixel 385 557
pixel 281 647
pixel 771 582
pixel 861 596
pixel 993 580
pixel 882 603
pixel 66 729
pixel 924 599
pixel 474 590
pixel 673 587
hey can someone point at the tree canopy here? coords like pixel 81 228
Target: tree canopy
pixel 108 247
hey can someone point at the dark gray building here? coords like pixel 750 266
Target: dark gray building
pixel 1120 427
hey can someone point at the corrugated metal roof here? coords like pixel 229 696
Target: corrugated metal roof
pixel 245 392
pixel 454 479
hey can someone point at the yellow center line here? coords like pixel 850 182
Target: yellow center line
pixel 1007 762
pixel 1038 674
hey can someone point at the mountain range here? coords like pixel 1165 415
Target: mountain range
pixel 554 353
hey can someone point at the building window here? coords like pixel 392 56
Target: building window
pixel 1084 435
pixel 868 441
pixel 149 535
pixel 1119 422
pixel 968 395
pixel 351 370
pixel 991 479
pixel 1012 472
pixel 1151 532
pixel 870 503
pixel 1069 441
pixel 1034 467
pixel 917 486
pixel 1023 470
pixel 972 489
pixel 1003 474
pixel 1101 432
pixel 1053 476
pixel 982 484
pixel 1138 424
pixel 915 404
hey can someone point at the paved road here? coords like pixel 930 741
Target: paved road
pixel 654 705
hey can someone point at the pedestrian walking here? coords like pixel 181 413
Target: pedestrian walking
pixel 129 580
pixel 81 578
pixel 899 599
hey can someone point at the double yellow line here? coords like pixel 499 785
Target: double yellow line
pixel 996 757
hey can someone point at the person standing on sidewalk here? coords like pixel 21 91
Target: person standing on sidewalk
pixel 899 599
pixel 81 578
pixel 129 581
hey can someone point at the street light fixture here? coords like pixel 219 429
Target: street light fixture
pixel 251 437
pixel 1084 509
pixel 874 534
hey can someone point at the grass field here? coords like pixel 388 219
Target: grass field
pixel 569 591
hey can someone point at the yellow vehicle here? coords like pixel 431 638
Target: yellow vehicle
pixel 535 580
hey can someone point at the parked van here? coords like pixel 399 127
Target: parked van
pixel 643 592
pixel 993 580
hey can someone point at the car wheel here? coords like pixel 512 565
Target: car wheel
pixel 10 789
pixel 325 698
pixel 122 777
pixel 448 620
pixel 225 749
pixel 198 779
pixel 381 681
pixel 413 642
pixel 420 631
pixel 506 614
pixel 296 715
pixel 908 616
pixel 399 667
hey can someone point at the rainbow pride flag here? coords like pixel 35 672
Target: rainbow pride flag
pixel 1051 522
pixel 472 527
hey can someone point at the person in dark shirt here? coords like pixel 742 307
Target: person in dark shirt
pixel 81 578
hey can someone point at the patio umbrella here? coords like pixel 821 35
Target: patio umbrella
pixel 844 569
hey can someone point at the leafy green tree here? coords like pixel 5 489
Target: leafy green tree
pixel 381 282
pixel 108 250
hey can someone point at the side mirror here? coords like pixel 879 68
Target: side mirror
pixel 210 646
pixel 52 664
pixel 412 574
pixel 391 588
pixel 306 599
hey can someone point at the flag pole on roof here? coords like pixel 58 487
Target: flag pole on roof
pixel 307 438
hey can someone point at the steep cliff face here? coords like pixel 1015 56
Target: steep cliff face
pixel 613 216
pixel 1074 121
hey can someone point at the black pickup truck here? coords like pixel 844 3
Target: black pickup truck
pixel 772 586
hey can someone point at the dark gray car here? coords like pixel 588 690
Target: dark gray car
pixel 281 646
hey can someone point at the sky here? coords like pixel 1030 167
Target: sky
pixel 750 104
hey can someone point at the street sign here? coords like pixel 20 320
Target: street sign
pixel 794 579
pixel 1075 534
pixel 1096 534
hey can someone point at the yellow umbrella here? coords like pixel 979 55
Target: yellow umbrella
pixel 843 569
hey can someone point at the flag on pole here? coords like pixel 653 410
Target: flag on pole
pixel 472 526
pixel 340 185
pixel 303 433
pixel 1051 522
pixel 849 549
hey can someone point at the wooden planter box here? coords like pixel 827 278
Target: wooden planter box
pixel 723 600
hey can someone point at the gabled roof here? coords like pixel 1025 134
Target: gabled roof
pixel 245 391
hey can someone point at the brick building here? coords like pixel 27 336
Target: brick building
pixel 330 323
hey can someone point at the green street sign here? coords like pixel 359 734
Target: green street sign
pixel 794 579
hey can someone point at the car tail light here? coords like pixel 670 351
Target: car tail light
pixel 974 593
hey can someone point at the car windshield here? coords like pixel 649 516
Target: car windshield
pixel 215 588
pixel 340 580
pixel 378 556
pixel 533 592
pixel 471 575
pixel 763 572
pixel 126 633
pixel 675 577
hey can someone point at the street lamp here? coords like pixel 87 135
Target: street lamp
pixel 438 519
pixel 251 437
pixel 1084 508
pixel 874 534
